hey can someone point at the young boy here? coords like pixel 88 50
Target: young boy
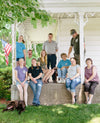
pixel 62 67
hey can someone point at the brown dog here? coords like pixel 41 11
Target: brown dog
pixel 18 105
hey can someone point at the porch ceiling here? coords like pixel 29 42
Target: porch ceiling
pixel 70 5
pixel 58 9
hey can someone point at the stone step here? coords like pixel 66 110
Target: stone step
pixel 96 97
pixel 51 94
pixel 56 93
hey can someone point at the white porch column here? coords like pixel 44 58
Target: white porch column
pixel 58 38
pixel 27 44
pixel 34 45
pixel 30 45
pixel 14 90
pixel 81 26
pixel 13 52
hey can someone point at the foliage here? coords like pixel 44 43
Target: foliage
pixel 20 10
pixel 38 50
pixel 5 82
pixel 54 114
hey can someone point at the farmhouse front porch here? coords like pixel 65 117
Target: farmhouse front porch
pixel 85 18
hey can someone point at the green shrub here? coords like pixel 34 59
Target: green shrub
pixel 5 82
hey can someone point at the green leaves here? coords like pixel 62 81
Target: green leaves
pixel 19 10
pixel 5 82
pixel 34 22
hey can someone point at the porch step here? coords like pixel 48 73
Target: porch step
pixel 51 94
pixel 54 94
pixel 96 97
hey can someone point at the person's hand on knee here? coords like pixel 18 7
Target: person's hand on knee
pixel 62 67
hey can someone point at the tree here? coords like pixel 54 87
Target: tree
pixel 20 10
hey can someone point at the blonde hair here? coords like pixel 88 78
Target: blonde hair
pixel 45 57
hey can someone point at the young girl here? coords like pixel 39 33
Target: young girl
pixel 43 63
pixel 35 74
pixel 91 80
pixel 21 80
pixel 20 49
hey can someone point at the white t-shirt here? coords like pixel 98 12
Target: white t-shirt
pixel 72 71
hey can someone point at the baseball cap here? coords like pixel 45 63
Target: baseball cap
pixel 72 31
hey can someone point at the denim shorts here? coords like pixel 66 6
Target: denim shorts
pixel 17 83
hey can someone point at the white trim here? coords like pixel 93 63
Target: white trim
pixel 70 1
pixel 81 26
pixel 72 9
pixel 13 52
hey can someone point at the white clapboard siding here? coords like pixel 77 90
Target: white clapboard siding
pixel 91 35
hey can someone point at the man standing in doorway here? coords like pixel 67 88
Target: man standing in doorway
pixel 51 48
pixel 75 44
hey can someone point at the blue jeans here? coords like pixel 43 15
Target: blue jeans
pixel 36 88
pixel 62 73
pixel 71 84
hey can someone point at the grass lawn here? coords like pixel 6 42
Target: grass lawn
pixel 54 114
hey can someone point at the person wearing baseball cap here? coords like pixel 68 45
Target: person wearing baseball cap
pixel 75 45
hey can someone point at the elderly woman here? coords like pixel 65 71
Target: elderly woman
pixel 91 80
pixel 73 78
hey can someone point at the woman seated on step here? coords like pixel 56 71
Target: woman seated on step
pixel 21 80
pixel 42 61
pixel 91 80
pixel 73 78
pixel 35 74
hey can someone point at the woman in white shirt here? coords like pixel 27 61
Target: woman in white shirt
pixel 73 78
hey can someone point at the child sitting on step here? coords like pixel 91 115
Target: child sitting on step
pixel 62 67
pixel 21 80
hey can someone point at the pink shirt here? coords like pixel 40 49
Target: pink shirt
pixel 89 72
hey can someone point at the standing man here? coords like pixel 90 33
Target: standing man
pixel 75 44
pixel 51 48
pixel 29 59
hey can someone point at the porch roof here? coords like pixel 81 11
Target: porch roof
pixel 70 5
pixel 64 9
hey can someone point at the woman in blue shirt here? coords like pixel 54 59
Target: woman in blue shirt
pixel 20 49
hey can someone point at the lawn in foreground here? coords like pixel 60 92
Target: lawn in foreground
pixel 54 114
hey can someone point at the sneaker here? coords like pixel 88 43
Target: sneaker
pixel 34 104
pixel 37 104
pixel 59 80
pixel 75 98
pixel 54 81
pixel 62 80
pixel 89 102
